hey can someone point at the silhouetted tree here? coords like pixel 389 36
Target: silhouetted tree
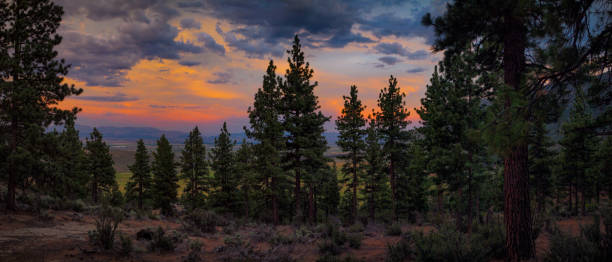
pixel 303 123
pixel 373 177
pixel 194 169
pixel 225 181
pixel 165 179
pixel 100 165
pixel 392 120
pixel 31 82
pixel 350 125
pixel 139 186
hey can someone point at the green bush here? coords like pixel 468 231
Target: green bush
pixel 354 240
pixel 399 251
pixel 126 245
pixel 280 239
pixel 394 229
pixel 328 247
pixel 590 245
pixel 146 234
pixel 202 220
pixel 161 242
pixel 195 248
pixel 357 227
pixel 107 220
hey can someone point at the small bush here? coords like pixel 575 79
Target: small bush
pixel 591 245
pixel 354 240
pixel 126 245
pixel 77 205
pixel 394 230
pixel 107 220
pixel 195 248
pixel 328 247
pixel 203 220
pixel 280 239
pixel 146 234
pixel 399 251
pixel 161 242
pixel 355 228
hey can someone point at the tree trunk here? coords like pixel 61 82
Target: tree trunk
pixel 354 187
pixel 274 202
pixel 517 210
pixel 458 210
pixel 570 207
pixel 94 190
pixel 311 205
pixel 439 202
pixel 140 195
pixel 372 205
pixel 469 207
pixel 297 196
pixel 583 204
pixel 393 189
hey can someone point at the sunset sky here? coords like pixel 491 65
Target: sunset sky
pixel 176 64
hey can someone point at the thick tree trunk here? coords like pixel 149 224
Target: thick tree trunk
pixel 12 172
pixel 517 209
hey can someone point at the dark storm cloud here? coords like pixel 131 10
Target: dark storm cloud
pixel 398 49
pixel 221 78
pixel 103 60
pixel 210 44
pixel 415 70
pixel 389 60
pixel 117 97
pixel 189 23
pixel 262 25
pixel 189 63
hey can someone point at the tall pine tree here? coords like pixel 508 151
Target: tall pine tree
pixel 303 124
pixel 350 125
pixel 392 120
pixel 373 177
pixel 31 81
pixel 504 33
pixel 194 169
pixel 224 197
pixel 165 179
pixel 100 164
pixel 139 186
pixel 267 130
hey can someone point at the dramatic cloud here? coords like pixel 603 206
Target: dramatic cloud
pixel 389 60
pixel 210 44
pixel 398 49
pixel 221 78
pixel 189 23
pixel 117 97
pixel 189 63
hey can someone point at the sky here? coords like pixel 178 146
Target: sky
pixel 173 65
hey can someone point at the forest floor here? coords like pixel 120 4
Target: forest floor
pixel 62 236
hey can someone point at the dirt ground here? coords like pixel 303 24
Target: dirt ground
pixel 26 237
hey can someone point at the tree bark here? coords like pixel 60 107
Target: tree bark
pixel 393 189
pixel 517 209
pixel 274 202
pixel 311 205
pixel 458 210
pixel 354 187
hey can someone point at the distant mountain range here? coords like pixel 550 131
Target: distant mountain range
pixel 151 134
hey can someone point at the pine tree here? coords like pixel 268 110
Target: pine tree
pixel 247 179
pixel 329 196
pixel 541 159
pixel 374 178
pixel 267 129
pixel 392 122
pixel 604 167
pixel 504 33
pixel 32 81
pixel 100 165
pixel 303 123
pixel 350 125
pixel 194 169
pixel 67 173
pixel 139 186
pixel 224 196
pixel 165 179
pixel 579 149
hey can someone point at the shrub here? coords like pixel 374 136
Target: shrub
pixel 280 239
pixel 357 227
pixel 354 240
pixel 394 230
pixel 328 247
pixel 591 245
pixel 161 242
pixel 399 251
pixel 77 205
pixel 126 245
pixel 146 234
pixel 107 220
pixel 195 248
pixel 202 220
